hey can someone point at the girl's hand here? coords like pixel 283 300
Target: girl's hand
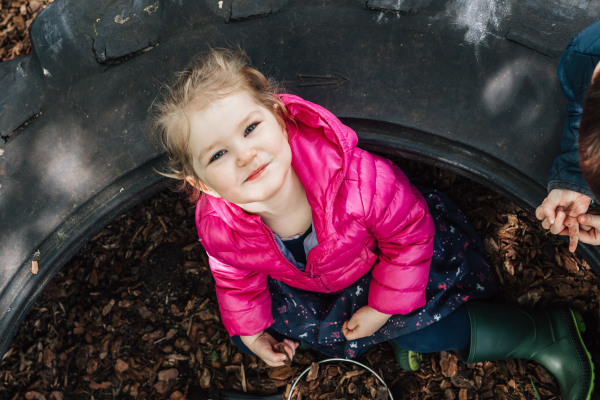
pixel 264 346
pixel 365 322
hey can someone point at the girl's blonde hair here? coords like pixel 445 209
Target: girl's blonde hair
pixel 218 74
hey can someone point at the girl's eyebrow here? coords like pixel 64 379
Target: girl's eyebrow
pixel 246 121
pixel 203 152
pixel 241 126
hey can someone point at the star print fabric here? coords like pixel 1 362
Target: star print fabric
pixel 459 272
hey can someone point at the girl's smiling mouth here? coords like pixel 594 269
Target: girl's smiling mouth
pixel 256 173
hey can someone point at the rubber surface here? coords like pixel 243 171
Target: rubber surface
pixel 469 85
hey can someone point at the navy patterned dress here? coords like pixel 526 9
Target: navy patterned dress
pixel 459 272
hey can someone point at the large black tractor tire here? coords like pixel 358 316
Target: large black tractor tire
pixel 468 85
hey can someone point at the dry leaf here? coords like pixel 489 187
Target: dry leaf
pixel 205 379
pixel 571 265
pixel 448 364
pixel 121 366
pixel 280 348
pixel 282 373
pixel 95 386
pixel 313 372
pixel 168 374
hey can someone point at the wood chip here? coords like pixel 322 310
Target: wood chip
pixel 313 372
pixel 129 295
pixel 168 374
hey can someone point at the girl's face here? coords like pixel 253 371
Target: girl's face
pixel 240 150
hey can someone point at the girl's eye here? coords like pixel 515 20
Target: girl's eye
pixel 217 155
pixel 249 129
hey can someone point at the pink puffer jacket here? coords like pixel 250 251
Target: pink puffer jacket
pixel 366 216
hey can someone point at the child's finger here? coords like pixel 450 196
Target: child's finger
pixel 546 224
pixel 274 359
pixel 584 227
pixel 277 356
pixel 290 347
pixel 546 211
pixel 590 220
pixel 558 224
pixel 294 345
pixel 573 225
pixel 573 237
pixel 345 328
pixel 348 333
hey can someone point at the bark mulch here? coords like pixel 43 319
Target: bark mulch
pixel 15 18
pixel 134 315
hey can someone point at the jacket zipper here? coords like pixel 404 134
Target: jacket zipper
pixel 274 244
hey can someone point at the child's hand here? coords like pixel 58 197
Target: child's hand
pixel 590 229
pixel 266 347
pixel 585 228
pixel 365 322
pixel 556 209
pixel 571 230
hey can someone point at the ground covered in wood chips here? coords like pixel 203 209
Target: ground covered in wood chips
pixel 15 18
pixel 134 314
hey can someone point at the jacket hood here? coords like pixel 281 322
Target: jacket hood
pixel 578 61
pixel 314 134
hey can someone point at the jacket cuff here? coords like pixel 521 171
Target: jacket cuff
pixel 248 322
pixel 574 187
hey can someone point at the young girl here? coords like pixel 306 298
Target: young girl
pixel 312 239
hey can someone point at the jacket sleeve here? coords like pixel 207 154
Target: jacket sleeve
pixel 575 70
pixel 566 172
pixel 244 298
pixel 399 219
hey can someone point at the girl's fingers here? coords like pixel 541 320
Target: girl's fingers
pixel 284 353
pixel 293 345
pixel 345 329
pixel 273 359
pixel 290 347
pixel 348 333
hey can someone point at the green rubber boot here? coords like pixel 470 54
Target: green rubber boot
pixel 408 360
pixel 550 337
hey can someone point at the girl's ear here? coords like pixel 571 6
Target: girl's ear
pixel 277 110
pixel 201 186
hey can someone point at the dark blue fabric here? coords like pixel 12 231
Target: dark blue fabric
pixel 296 246
pixel 458 273
pixel 575 70
pixel 240 345
pixel 450 333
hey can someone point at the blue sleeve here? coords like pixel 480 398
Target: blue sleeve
pixel 566 172
pixel 575 70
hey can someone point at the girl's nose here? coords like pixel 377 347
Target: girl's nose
pixel 246 156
